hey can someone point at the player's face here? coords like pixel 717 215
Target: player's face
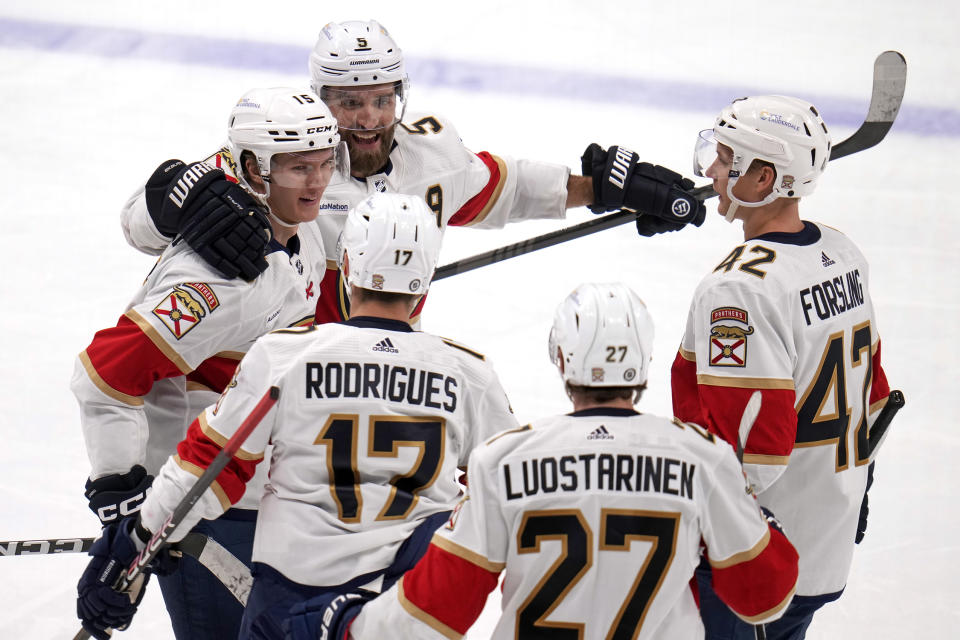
pixel 367 117
pixel 719 172
pixel 297 182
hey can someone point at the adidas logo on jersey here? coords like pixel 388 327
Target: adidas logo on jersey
pixel 825 260
pixel 385 345
pixel 600 433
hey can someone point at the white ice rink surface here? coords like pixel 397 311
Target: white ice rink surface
pixel 88 112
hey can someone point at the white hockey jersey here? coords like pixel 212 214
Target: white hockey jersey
pixel 790 314
pixel 596 519
pixel 428 160
pixel 140 384
pixel 372 424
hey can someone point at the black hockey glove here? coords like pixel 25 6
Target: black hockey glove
pixel 771 519
pixel 223 223
pixel 659 196
pixel 325 616
pixel 864 508
pixel 118 496
pixel 99 606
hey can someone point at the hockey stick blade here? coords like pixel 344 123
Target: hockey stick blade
pixel 895 402
pixel 889 84
pixel 207 478
pixel 750 413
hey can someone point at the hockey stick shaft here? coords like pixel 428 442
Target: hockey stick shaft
pixel 45 547
pixel 894 403
pixel 206 479
pixel 889 83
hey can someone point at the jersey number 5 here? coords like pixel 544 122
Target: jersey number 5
pixel 618 529
pixel 386 435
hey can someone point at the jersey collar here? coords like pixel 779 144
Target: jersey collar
pixel 604 411
pixel 371 322
pixel 809 235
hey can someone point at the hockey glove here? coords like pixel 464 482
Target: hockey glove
pixel 223 223
pixel 771 519
pixel 659 196
pixel 326 616
pixel 118 496
pixel 99 606
pixel 864 508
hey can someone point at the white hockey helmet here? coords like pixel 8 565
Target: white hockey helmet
pixel 787 132
pixel 357 53
pixel 393 243
pixel 268 121
pixel 602 336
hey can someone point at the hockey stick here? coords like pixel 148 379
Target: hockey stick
pixel 234 575
pixel 220 461
pixel 750 413
pixel 895 402
pixel 889 83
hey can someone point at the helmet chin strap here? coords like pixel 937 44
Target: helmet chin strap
pixel 736 203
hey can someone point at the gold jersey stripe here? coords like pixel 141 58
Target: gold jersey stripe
pixel 759 458
pixel 100 383
pixel 423 616
pixel 466 554
pixel 743 556
pixel 689 356
pixel 230 355
pixel 455 345
pixel 149 330
pixel 876 406
pixel 197 470
pixel 745 383
pixel 196 386
pixel 221 441
pixel 493 196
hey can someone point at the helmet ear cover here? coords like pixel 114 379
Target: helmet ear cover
pixel 602 336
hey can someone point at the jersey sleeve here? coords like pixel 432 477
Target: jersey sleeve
pixel 172 332
pixel 206 437
pixel 444 594
pixel 737 340
pixel 754 566
pixel 491 415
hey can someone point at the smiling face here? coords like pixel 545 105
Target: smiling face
pixel 297 182
pixel 367 117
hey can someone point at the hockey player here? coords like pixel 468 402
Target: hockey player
pixel 788 313
pixel 140 383
pixel 372 424
pixel 596 516
pixel 358 69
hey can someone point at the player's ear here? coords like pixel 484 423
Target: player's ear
pixel 346 266
pixel 252 173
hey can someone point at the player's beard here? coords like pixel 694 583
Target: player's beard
pixel 365 162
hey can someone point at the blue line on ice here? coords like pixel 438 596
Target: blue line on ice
pixel 467 76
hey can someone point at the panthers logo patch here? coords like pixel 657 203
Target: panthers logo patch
pixel 728 342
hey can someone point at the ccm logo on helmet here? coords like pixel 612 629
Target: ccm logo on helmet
pixel 323 129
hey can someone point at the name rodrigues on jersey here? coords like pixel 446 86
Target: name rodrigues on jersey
pixel 832 297
pixel 603 472
pixel 334 380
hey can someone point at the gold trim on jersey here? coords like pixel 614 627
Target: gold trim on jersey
pixel 743 556
pixel 230 355
pixel 100 383
pixel 456 345
pixel 215 487
pixel 423 616
pixel 771 611
pixel 394 452
pixel 525 427
pixel 689 356
pixel 745 383
pixel 759 458
pixel 221 441
pixel 463 553
pixel 876 406
pixel 196 386
pixel 495 196
pixel 151 332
